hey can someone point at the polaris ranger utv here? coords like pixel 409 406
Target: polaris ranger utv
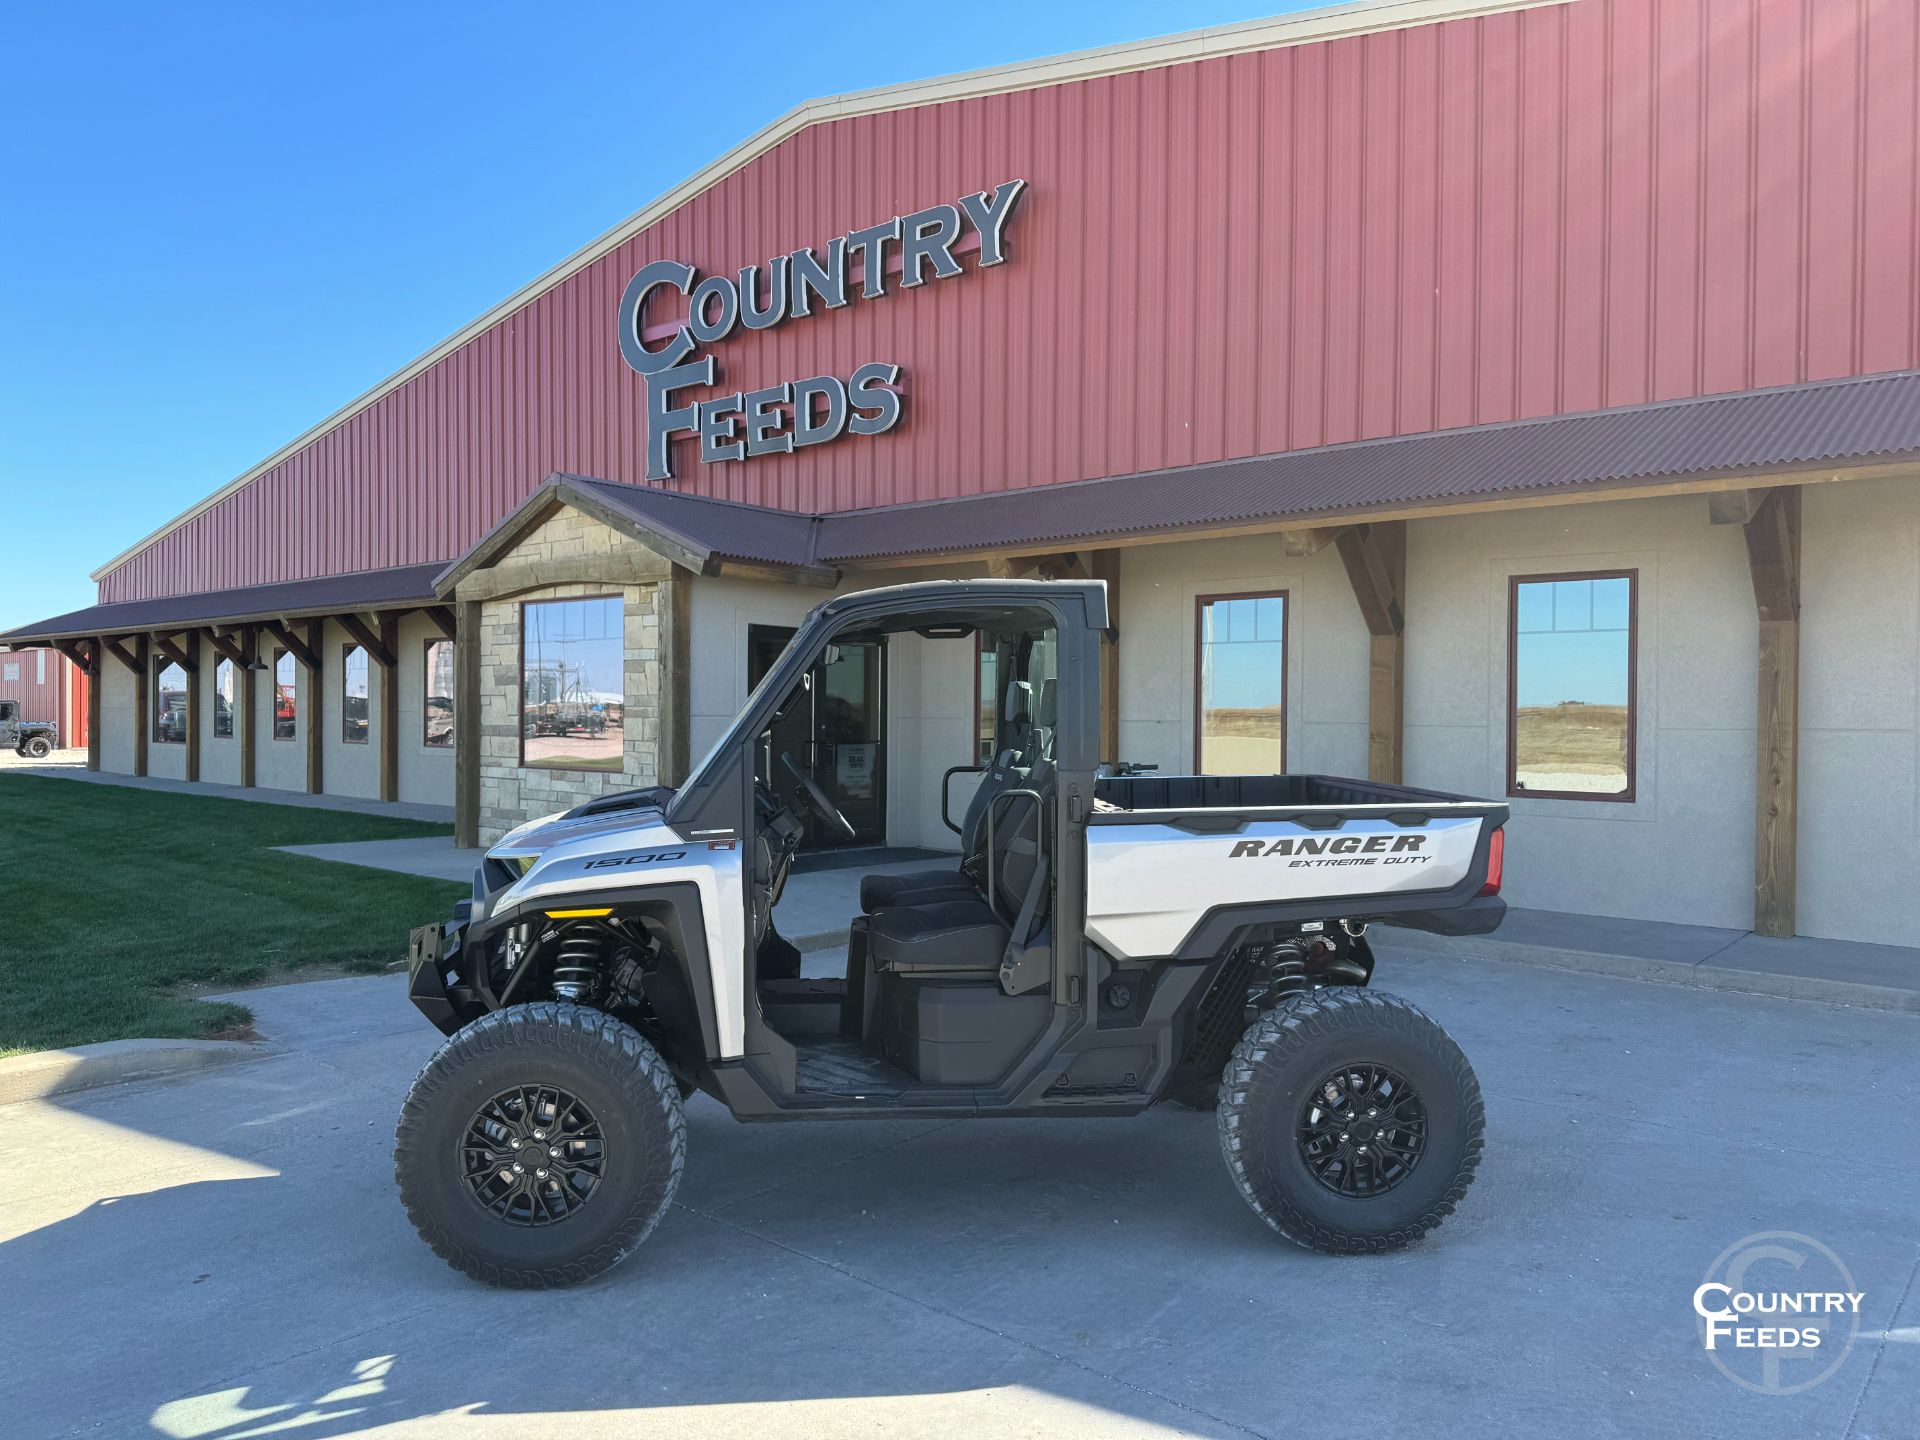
pixel 1106 942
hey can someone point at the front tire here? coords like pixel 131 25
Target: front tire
pixel 540 1146
pixel 1350 1121
pixel 38 748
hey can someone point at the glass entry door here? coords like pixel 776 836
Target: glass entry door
pixel 835 732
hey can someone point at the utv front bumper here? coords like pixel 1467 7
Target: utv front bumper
pixel 437 982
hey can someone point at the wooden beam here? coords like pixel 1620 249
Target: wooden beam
pixel 1106 566
pixel 466 727
pixel 282 631
pixel 141 679
pixel 134 660
pixel 442 618
pixel 1734 507
pixel 371 635
pixel 1773 559
pixel 389 706
pixel 77 652
pixel 225 647
pixel 316 709
pixel 1299 544
pixel 179 654
pixel 1375 557
pixel 190 648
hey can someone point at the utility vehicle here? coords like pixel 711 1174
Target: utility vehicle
pixel 35 739
pixel 1105 942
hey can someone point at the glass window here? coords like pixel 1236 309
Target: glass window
pixel 223 699
pixel 1570 686
pixel 1241 683
pixel 986 702
pixel 353 694
pixel 283 695
pixel 572 683
pixel 437 702
pixel 169 703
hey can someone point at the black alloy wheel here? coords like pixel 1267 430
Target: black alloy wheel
pixel 533 1155
pixel 1362 1130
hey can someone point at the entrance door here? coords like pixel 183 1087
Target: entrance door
pixel 835 733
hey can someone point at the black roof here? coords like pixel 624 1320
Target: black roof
pixel 400 587
pixel 1749 433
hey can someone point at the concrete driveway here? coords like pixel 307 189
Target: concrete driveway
pixel 223 1255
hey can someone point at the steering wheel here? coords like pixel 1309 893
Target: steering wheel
pixel 817 795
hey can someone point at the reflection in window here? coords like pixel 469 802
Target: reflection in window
pixel 438 701
pixel 283 695
pixel 1571 687
pixel 1243 685
pixel 987 702
pixel 353 694
pixel 169 704
pixel 223 699
pixel 572 684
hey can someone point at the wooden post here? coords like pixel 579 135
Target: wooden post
pixel 1106 566
pixel 387 659
pixel 96 678
pixel 142 680
pixel 248 720
pixel 190 647
pixel 672 599
pixel 1773 558
pixel 466 726
pixel 1376 560
pixel 316 708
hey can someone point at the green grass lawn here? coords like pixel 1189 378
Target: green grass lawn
pixel 112 900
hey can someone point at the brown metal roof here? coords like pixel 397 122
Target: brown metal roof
pixel 1875 417
pixel 400 587
pixel 1862 418
pixel 723 528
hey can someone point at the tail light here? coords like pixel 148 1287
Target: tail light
pixel 1496 861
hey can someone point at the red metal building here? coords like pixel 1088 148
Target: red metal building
pixel 1416 303
pixel 48 686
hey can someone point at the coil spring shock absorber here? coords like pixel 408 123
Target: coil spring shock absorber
pixel 576 965
pixel 1279 971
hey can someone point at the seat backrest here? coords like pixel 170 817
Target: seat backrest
pixel 1009 768
pixel 1015 855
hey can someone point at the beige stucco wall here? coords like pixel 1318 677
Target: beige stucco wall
pixel 509 791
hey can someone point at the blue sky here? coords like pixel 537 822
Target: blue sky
pixel 219 223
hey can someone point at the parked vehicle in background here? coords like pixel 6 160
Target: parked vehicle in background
pixel 35 739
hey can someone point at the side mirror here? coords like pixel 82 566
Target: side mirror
pixel 830 657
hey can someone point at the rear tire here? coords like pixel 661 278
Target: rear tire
pixel 455 1146
pixel 1326 1073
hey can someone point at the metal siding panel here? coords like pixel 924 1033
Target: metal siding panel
pixel 1543 212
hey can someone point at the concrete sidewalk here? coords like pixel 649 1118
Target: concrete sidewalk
pixel 223 1254
pixel 353 804
pixel 1839 972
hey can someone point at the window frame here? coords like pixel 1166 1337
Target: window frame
pixel 1200 603
pixel 347 647
pixel 161 664
pixel 520 709
pixel 1516 791
pixel 427 642
pixel 273 690
pixel 983 647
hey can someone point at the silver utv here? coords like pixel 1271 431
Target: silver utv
pixel 1103 942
